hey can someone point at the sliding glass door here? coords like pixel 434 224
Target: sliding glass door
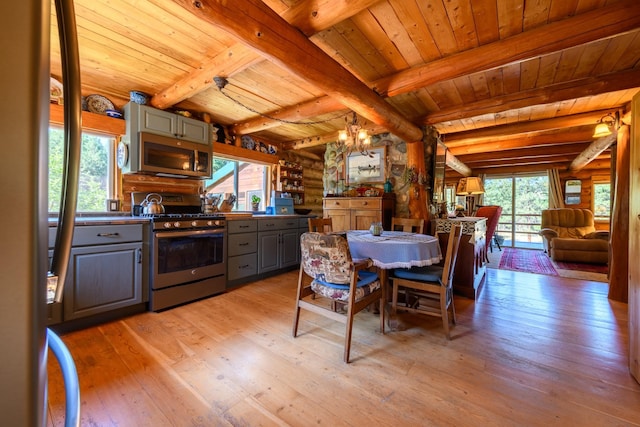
pixel 522 197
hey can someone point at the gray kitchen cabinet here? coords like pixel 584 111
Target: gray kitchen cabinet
pixel 278 244
pixel 105 270
pixel 242 250
pixel 142 118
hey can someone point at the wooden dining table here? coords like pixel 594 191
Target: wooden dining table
pixel 394 249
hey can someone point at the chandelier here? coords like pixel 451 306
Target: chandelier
pixel 354 137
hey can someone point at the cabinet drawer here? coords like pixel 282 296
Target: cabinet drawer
pixel 365 203
pixel 90 235
pixel 242 266
pixel 336 203
pixel 277 224
pixel 243 243
pixel 242 226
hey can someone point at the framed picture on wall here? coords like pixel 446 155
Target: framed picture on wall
pixel 366 169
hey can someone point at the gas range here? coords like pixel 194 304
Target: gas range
pixel 185 221
pixel 181 211
pixel 185 249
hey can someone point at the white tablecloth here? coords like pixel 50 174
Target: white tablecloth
pixel 394 249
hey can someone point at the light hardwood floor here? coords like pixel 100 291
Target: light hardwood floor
pixel 532 351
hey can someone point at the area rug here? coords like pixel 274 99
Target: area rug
pixel 495 261
pixel 591 268
pixel 526 260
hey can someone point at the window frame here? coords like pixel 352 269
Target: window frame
pixel 597 181
pixel 112 169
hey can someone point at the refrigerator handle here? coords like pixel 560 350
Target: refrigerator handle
pixel 73 136
pixel 70 377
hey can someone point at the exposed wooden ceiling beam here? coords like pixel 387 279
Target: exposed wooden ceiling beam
pixel 236 58
pixel 592 152
pixel 256 25
pixel 487 134
pixel 577 88
pixel 565 136
pixel 584 28
pixel 552 37
pixel 530 154
pixel 313 108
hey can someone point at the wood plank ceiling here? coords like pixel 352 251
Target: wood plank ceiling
pixel 509 84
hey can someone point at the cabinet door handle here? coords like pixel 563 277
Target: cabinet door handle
pixel 243 266
pixel 243 244
pixel 108 234
pixel 139 255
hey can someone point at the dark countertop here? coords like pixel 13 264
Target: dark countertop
pixel 102 219
pixel 122 218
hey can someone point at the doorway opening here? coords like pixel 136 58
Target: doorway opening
pixel 522 197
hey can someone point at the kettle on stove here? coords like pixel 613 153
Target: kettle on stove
pixel 152 204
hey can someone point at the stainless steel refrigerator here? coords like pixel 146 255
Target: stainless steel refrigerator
pixel 24 265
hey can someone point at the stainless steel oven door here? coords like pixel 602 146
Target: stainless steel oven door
pixel 187 256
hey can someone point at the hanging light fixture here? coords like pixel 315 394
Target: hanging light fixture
pixel 605 124
pixel 354 137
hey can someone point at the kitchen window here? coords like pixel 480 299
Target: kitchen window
pixel 244 179
pixel 97 171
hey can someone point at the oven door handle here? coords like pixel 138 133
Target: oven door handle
pixel 163 234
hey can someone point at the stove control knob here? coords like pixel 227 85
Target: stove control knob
pixel 167 225
pixel 176 224
pixel 194 223
pixel 210 223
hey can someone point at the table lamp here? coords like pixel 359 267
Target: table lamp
pixel 469 187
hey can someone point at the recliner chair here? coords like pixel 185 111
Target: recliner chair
pixel 569 234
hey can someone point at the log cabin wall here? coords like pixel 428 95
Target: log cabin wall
pixel 395 166
pixel 312 172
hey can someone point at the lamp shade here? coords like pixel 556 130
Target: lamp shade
pixel 470 185
pixel 602 129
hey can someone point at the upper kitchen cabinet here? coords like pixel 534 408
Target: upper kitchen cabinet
pixel 142 118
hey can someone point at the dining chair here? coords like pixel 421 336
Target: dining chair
pixel 409 225
pixel 492 213
pixel 429 290
pixel 320 225
pixel 326 260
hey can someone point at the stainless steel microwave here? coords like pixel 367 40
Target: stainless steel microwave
pixel 164 156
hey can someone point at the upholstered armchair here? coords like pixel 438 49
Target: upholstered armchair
pixel 492 213
pixel 570 235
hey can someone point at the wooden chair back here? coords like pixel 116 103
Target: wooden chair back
pixel 451 256
pixel 320 225
pixel 334 277
pixel 429 290
pixel 408 225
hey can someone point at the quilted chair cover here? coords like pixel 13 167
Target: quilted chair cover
pixel 326 258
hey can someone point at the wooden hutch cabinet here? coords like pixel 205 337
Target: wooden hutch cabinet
pixel 357 213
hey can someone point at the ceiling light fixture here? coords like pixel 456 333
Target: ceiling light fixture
pixel 354 137
pixel 605 124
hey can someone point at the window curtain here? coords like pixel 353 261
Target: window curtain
pixel 480 200
pixel 555 189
